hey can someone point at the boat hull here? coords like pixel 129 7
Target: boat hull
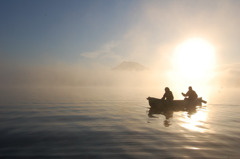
pixel 159 103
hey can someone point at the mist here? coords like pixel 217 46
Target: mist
pixel 227 76
pixel 60 74
pixel 152 32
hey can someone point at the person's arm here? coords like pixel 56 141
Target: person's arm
pixel 164 96
pixel 187 94
pixel 184 94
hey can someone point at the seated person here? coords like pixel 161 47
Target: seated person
pixel 191 94
pixel 168 95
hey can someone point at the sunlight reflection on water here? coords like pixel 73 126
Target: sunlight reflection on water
pixel 195 122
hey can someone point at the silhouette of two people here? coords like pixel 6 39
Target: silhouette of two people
pixel 190 95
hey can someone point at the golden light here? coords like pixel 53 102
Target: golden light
pixel 194 59
pixel 196 121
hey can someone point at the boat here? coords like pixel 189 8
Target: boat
pixel 175 104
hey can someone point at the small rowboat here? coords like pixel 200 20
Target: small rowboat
pixel 178 104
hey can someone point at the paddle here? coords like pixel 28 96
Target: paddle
pixel 203 101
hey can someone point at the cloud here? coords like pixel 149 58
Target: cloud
pixel 105 49
pixel 93 54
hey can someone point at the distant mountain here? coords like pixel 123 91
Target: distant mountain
pixel 129 66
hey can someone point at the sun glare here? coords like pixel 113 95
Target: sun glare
pixel 196 121
pixel 194 59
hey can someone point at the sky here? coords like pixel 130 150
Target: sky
pixel 47 36
pixel 62 30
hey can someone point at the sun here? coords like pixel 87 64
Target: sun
pixel 194 58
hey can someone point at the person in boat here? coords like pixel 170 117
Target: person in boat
pixel 168 96
pixel 191 94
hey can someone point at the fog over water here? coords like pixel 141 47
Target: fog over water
pixel 222 87
pixel 112 122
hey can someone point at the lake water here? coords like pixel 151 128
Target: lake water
pixel 111 123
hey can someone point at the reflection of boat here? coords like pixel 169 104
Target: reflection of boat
pixel 175 104
pixel 168 112
pixel 167 108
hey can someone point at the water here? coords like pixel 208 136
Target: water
pixel 111 123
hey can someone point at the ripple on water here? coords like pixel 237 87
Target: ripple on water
pixel 119 129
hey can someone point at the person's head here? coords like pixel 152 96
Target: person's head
pixel 190 88
pixel 167 89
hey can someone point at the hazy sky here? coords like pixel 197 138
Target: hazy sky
pixel 109 31
pixel 58 38
pixel 75 43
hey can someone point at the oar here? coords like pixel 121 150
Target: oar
pixel 203 101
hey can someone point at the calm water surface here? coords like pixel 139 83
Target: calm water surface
pixel 111 123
